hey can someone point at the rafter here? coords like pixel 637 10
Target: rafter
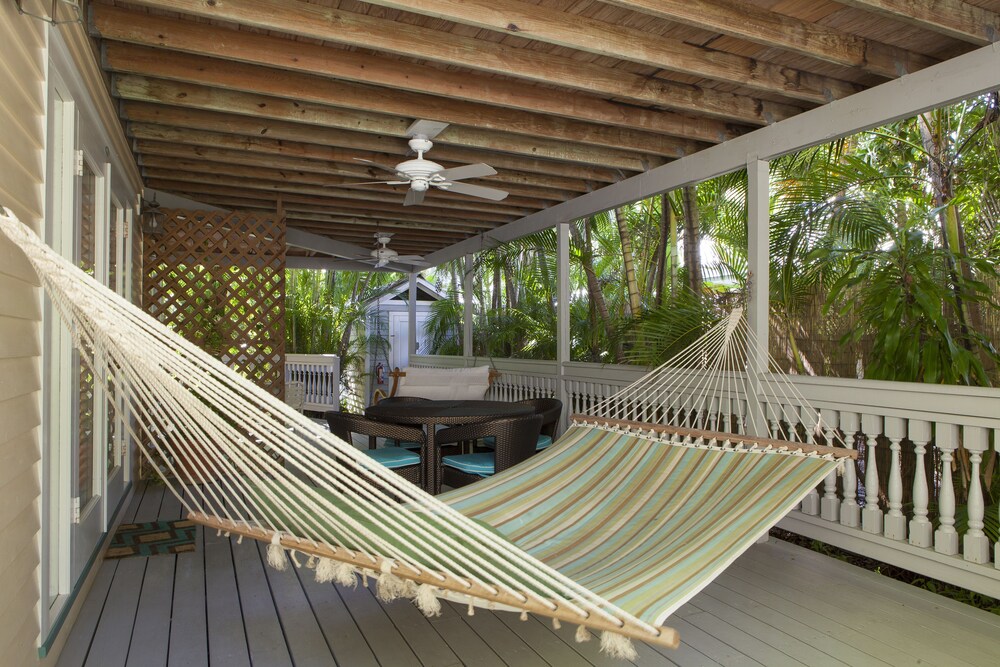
pixel 228 75
pixel 190 95
pixel 761 26
pixel 139 28
pixel 354 144
pixel 335 25
pixel 196 147
pixel 264 169
pixel 954 18
pixel 552 26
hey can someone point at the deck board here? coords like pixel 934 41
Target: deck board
pixel 777 605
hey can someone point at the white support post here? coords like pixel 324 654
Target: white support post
pixel 412 316
pixel 946 537
pixel 895 521
pixel 975 543
pixel 758 251
pixel 871 515
pixel 920 526
pixel 467 319
pixel 562 316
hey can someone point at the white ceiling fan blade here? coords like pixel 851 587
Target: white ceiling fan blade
pixel 468 171
pixel 348 185
pixel 384 167
pixel 411 259
pixel 426 128
pixel 473 190
pixel 414 197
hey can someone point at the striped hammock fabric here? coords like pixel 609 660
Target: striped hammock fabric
pixel 642 522
pixel 611 528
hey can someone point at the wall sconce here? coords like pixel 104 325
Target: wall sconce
pixel 72 14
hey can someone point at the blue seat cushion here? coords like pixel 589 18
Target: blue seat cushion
pixel 543 442
pixel 394 457
pixel 482 464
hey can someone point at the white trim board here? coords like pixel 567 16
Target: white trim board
pixel 956 79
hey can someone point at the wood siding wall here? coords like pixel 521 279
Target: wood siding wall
pixel 22 170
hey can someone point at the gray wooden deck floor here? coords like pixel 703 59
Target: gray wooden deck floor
pixel 777 605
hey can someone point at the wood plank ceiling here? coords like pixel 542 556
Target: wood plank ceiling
pixel 235 103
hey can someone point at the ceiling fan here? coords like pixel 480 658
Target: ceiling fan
pixel 422 174
pixel 383 254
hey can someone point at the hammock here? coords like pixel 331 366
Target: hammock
pixel 611 528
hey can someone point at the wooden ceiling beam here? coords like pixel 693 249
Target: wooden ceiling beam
pixel 761 26
pixel 367 32
pixel 553 26
pixel 191 95
pixel 114 23
pixel 391 197
pixel 354 144
pixel 954 18
pixel 427 215
pixel 380 205
pixel 427 229
pixel 258 169
pixel 465 117
pixel 353 169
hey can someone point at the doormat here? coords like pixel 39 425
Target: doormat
pixel 152 539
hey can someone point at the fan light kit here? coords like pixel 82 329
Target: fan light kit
pixel 382 255
pixel 422 174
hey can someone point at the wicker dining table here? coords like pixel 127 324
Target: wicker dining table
pixel 430 414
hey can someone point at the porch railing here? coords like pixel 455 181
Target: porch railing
pixel 898 504
pixel 321 375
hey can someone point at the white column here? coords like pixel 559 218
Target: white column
pixel 975 543
pixel 871 515
pixel 850 511
pixel 467 288
pixel 920 525
pixel 562 316
pixel 895 521
pixel 758 250
pixel 412 316
pixel 946 537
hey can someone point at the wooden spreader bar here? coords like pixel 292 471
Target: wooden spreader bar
pixel 838 452
pixel 667 637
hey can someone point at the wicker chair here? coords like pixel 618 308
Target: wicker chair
pixel 402 461
pixel 515 439
pixel 551 410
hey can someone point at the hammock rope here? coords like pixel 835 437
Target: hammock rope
pixel 245 463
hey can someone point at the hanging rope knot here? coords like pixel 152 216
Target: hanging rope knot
pixel 427 600
pixel 617 646
pixel 276 553
pixel 390 586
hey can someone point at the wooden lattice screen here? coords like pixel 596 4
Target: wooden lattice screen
pixel 218 279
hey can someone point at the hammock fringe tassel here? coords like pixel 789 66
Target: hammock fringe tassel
pixel 582 634
pixel 276 553
pixel 427 600
pixel 390 587
pixel 617 646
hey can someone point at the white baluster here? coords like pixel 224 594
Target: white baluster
pixel 773 420
pixel 975 544
pixel 920 526
pixel 945 537
pixel 713 413
pixel 871 515
pixel 895 522
pixel 830 505
pixel 810 504
pixel 850 511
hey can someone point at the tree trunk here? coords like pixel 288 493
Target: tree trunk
pixel 668 238
pixel 360 285
pixel 634 299
pixel 593 285
pixel 692 239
